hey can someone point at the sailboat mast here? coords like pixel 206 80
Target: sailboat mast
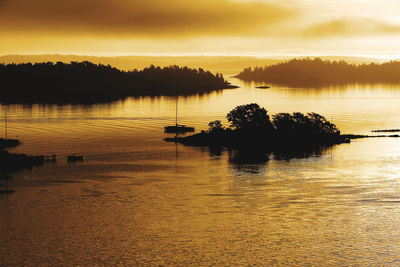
pixel 176 112
pixel 5 122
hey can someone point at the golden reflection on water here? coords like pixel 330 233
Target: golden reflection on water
pixel 138 200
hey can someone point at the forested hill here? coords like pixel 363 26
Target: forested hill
pixel 88 82
pixel 318 72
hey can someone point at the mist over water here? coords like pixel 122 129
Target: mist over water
pixel 138 200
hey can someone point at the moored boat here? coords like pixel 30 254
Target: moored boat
pixel 178 129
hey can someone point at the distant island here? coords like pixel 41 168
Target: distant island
pixel 251 127
pixel 8 143
pixel 317 72
pixel 87 82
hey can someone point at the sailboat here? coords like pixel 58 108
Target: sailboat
pixel 178 128
pixel 5 142
pixel 5 122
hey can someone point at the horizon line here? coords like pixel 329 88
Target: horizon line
pixel 277 56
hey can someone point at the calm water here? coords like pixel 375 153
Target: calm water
pixel 137 200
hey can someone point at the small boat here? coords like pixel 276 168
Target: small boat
pixel 74 158
pixel 263 87
pixel 178 128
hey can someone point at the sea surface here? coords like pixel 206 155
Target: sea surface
pixel 137 200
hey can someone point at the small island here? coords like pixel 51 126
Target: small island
pixel 85 82
pixel 251 127
pixel 8 143
pixel 318 73
pixel 10 162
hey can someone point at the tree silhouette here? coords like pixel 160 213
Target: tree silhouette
pixel 300 126
pixel 215 126
pixel 248 117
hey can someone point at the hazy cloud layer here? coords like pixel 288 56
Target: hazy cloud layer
pixel 214 27
pixel 347 27
pixel 141 17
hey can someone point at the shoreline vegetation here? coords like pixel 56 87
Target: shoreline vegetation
pixel 318 73
pixel 85 82
pixel 252 129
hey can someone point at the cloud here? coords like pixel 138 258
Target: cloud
pixel 149 18
pixel 347 27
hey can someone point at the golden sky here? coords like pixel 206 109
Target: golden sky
pixel 201 27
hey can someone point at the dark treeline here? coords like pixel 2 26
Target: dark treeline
pixel 251 128
pixel 318 72
pixel 88 82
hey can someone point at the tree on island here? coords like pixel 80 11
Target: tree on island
pixel 250 116
pixel 215 126
pixel 300 126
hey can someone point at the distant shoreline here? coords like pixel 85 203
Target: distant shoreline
pixel 85 82
pixel 319 73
